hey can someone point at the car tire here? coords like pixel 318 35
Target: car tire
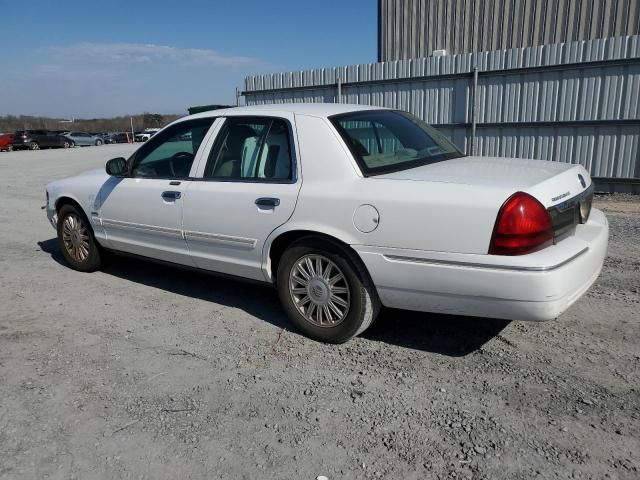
pixel 34 146
pixel 98 143
pixel 67 144
pixel 76 240
pixel 349 305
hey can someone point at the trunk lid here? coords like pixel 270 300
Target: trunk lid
pixel 552 183
pixel 565 190
pixel 20 136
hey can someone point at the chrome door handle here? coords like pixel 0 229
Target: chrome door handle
pixel 170 195
pixel 268 202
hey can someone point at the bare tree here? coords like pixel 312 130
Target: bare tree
pixel 11 123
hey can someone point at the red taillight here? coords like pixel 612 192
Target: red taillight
pixel 523 226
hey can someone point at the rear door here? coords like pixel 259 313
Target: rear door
pixel 41 138
pixel 76 137
pixel 86 139
pixel 247 187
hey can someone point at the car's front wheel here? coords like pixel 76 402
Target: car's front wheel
pixel 326 291
pixel 75 236
pixel 67 144
pixel 98 143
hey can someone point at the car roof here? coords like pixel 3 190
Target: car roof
pixel 312 109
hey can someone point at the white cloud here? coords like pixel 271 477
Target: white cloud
pixel 127 54
pixel 101 79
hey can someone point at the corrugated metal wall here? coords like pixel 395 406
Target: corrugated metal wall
pixel 577 102
pixel 415 28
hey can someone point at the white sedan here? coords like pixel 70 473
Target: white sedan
pixel 344 208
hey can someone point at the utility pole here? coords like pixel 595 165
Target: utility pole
pixel 474 111
pixel 133 138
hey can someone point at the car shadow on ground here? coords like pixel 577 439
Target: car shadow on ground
pixel 449 335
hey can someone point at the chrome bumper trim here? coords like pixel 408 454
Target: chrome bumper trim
pixel 455 263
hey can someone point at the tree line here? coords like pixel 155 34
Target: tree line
pixel 11 123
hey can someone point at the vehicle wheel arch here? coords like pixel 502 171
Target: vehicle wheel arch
pixel 282 240
pixel 68 200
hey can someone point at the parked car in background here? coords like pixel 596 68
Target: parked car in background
pixel 106 137
pixel 36 139
pixel 123 137
pixel 82 139
pixel 5 142
pixel 343 208
pixel 146 135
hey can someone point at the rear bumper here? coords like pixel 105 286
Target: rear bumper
pixel 538 286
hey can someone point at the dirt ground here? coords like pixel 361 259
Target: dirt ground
pixel 148 372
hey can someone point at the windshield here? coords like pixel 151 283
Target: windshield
pixel 385 141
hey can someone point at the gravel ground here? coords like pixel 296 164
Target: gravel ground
pixel 144 371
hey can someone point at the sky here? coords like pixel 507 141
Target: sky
pixel 86 59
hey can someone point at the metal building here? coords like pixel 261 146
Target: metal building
pixel 520 78
pixel 418 28
pixel 575 102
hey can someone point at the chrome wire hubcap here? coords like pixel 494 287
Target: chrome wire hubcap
pixel 75 238
pixel 319 290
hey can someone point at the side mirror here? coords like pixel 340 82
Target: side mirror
pixel 117 167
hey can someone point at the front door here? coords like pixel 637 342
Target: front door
pixel 142 213
pixel 248 187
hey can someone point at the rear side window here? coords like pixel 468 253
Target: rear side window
pixel 251 149
pixel 385 141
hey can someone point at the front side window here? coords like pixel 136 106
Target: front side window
pixel 170 154
pixel 251 149
pixel 385 141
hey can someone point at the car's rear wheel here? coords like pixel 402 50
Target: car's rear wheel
pixel 325 290
pixel 75 236
pixel 67 144
pixel 34 146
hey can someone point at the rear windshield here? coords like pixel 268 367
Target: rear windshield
pixel 384 141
